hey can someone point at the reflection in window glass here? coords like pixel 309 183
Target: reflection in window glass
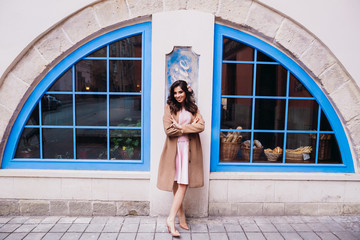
pixel 324 123
pixel 90 76
pixel 125 111
pixel 64 83
pixel 56 109
pixel 273 144
pixel 125 76
pixel 237 79
pixel 99 53
pixel 270 80
pixel 269 114
pixel 299 149
pixel 328 148
pixel 261 57
pixel 58 143
pixel 91 144
pixel 230 146
pixel 29 144
pixel 125 144
pixel 34 117
pixel 297 89
pixel 234 50
pixel 236 112
pixel 303 115
pixel 90 110
pixel 127 47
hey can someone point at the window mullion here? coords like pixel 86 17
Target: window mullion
pixel 286 114
pixel 318 136
pixel 40 130
pixel 253 107
pixel 107 102
pixel 73 105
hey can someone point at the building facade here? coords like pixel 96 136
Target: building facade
pixel 82 106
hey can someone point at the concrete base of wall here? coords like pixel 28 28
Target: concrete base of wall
pixel 73 208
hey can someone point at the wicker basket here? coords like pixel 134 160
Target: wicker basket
pixel 228 151
pixel 273 157
pixel 245 152
pixel 291 156
pixel 324 152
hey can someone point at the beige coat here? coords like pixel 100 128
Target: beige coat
pixel 166 172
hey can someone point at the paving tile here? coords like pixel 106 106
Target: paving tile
pixel 34 236
pixel 3 235
pixel 132 220
pixel 229 227
pixel 180 229
pixel 273 236
pixel 15 236
pixel 284 227
pixel 267 227
pixel 19 219
pixel 294 219
pixel 246 220
pixel 129 227
pixel 83 220
pixel 71 236
pixel 278 219
pixel 112 227
pixel 250 227
pixel 230 220
pixel 126 236
pixel 9 227
pixel 184 236
pixel 262 220
pixel 115 220
pixel 327 236
pixel 237 236
pixel 199 228
pixel 34 220
pixel 324 219
pixel 216 228
pixel 78 227
pixel 291 236
pixel 255 236
pixel 5 219
pixel 148 220
pixel 51 219
pixel 53 236
pixel 60 227
pixel 43 227
pixel 301 227
pixel 200 236
pixel 67 220
pixel 147 227
pixel 164 236
pixel 108 236
pixel 26 228
pixel 335 227
pixel 161 227
pixel 95 228
pixel 99 220
pixel 218 236
pixel 89 236
pixel 308 219
pixel 318 227
pixel 345 235
pixel 309 236
pixel 145 236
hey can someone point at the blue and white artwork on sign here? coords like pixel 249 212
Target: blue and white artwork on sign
pixel 182 64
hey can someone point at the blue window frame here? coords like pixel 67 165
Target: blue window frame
pixel 103 92
pixel 248 100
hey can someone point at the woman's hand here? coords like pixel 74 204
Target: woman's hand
pixel 196 120
pixel 174 123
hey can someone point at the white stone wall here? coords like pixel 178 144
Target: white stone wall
pixel 265 193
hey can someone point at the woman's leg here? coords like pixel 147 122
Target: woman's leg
pixel 176 204
pixel 181 212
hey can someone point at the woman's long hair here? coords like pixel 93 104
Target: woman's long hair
pixel 189 103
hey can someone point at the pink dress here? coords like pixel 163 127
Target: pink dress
pixel 182 154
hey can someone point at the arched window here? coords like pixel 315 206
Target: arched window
pixel 89 111
pixel 268 114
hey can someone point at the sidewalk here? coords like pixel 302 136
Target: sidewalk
pixel 153 228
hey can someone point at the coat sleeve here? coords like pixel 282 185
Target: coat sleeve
pixel 169 129
pixel 196 127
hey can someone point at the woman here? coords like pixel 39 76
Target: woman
pixel 181 163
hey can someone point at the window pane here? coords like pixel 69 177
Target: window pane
pixel 237 79
pixel 230 144
pixel 270 114
pixel 127 47
pixel 297 89
pixel 99 53
pixel 298 148
pixel 125 144
pixel 91 144
pixel 125 76
pixel 90 76
pixel 125 111
pixel 58 143
pixel 273 144
pixel 302 115
pixel 34 117
pixel 236 112
pixel 324 123
pixel 56 109
pixel 270 80
pixel 29 144
pixel 63 83
pixel 261 57
pixel 90 110
pixel 234 50
pixel 328 151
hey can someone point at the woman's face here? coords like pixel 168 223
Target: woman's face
pixel 179 94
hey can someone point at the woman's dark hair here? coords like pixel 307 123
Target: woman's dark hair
pixel 189 103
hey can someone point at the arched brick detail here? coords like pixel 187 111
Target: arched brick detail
pixel 246 15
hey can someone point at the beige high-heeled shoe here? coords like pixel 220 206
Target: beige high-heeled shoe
pixel 173 232
pixel 182 222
